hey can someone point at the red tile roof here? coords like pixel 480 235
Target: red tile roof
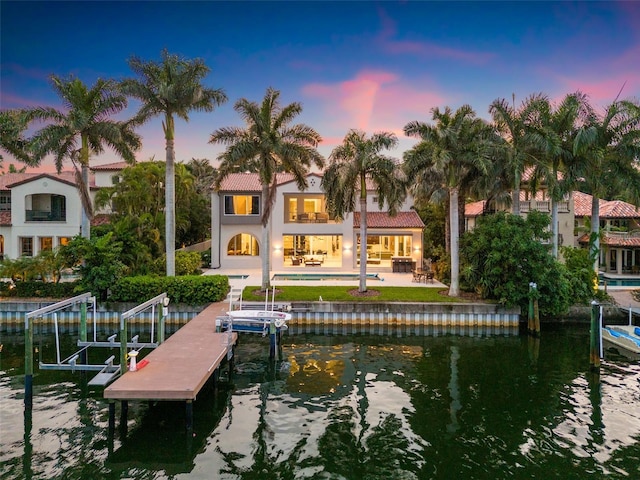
pixel 115 166
pixel 409 219
pixel 5 219
pixel 9 180
pixel 249 182
pixel 474 209
pixel 619 240
pixel 608 208
pixel 100 219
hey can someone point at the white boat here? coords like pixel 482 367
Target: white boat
pixel 279 319
pixel 624 338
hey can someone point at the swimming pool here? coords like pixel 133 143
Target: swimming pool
pixel 620 282
pixel 324 276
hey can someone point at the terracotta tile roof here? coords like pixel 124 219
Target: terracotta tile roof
pixel 608 208
pixel 9 180
pixel 5 219
pixel 115 166
pixel 409 219
pixel 249 182
pixel 615 240
pixel 100 219
pixel 474 209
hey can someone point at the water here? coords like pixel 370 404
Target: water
pixel 323 276
pixel 620 282
pixel 346 407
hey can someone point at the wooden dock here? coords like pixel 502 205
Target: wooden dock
pixel 180 366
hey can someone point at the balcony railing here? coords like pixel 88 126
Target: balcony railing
pixel 45 216
pixel 311 217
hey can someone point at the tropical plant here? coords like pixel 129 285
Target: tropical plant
pixel 13 124
pixel 172 87
pixel 519 148
pixel 553 134
pixel 455 145
pixel 97 261
pixel 271 144
pixel 83 129
pixel 356 166
pixel 607 150
pixel 504 253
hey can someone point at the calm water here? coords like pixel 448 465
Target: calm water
pixel 346 407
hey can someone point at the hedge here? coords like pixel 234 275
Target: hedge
pixel 190 290
pixel 36 289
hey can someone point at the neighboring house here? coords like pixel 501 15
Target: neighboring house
pixel 41 211
pixel 302 232
pixel 619 227
pixel 619 233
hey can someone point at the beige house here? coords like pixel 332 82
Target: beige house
pixel 619 226
pixel 303 235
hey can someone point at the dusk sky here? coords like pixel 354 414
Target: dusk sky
pixel 373 66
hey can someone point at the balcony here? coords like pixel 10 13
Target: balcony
pixel 310 217
pixel 45 216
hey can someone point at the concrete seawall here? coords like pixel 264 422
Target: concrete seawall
pixel 360 315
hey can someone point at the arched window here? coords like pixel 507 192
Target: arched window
pixel 243 244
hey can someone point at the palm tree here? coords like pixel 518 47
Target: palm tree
pixel 13 124
pixel 354 163
pixel 83 129
pixel 172 87
pixel 514 124
pixel 553 134
pixel 453 146
pixel 607 148
pixel 270 144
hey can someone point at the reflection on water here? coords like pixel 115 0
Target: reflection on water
pixel 352 407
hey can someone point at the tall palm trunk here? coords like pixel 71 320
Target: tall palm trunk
pixel 454 289
pixel 265 254
pixel 554 227
pixel 594 240
pixel 170 199
pixel 363 235
pixel 515 198
pixel 83 187
pixel 85 224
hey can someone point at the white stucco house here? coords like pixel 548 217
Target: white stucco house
pixel 303 235
pixel 40 211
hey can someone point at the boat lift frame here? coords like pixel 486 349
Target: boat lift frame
pixel 106 371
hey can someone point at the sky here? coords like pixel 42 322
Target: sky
pixel 367 65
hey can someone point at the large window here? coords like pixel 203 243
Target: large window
pixel 306 208
pixel 316 250
pixel 242 205
pixel 382 248
pixel 45 208
pixel 26 246
pixel 243 244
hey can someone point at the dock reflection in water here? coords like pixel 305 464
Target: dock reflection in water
pixel 353 407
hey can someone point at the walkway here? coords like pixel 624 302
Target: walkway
pixel 179 367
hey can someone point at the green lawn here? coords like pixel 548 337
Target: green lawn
pixel 341 294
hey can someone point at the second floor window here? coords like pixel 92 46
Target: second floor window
pixel 242 205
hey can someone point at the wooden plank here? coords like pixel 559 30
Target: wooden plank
pixel 179 367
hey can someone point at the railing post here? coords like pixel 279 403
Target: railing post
pixel 123 345
pixel 595 334
pixel 28 363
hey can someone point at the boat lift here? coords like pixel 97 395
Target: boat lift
pixel 78 360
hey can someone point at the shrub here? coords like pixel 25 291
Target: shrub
pixel 504 253
pixel 191 290
pixel 188 263
pixel 39 289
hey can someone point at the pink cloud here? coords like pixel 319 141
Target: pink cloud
pixel 33 73
pixel 373 101
pixel 423 49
